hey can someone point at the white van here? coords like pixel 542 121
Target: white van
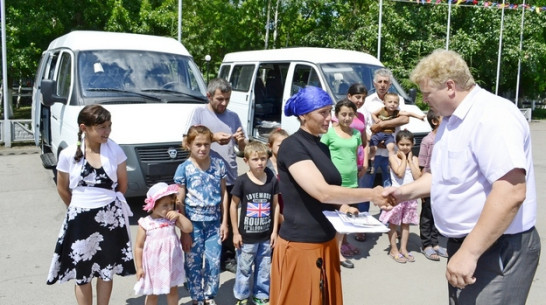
pixel 264 80
pixel 150 84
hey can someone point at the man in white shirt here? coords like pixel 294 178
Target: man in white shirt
pixel 481 184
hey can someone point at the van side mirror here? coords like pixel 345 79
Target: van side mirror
pixel 49 94
pixel 412 94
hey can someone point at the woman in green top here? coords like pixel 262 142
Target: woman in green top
pixel 343 142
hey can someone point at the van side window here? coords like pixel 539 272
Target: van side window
pixel 50 72
pixel 224 72
pixel 64 77
pixel 304 75
pixel 241 77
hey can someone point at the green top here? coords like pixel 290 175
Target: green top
pixel 343 154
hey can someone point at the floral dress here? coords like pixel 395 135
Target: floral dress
pixel 162 258
pixel 92 242
pixel 404 212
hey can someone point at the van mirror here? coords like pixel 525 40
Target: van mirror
pixel 49 96
pixel 412 95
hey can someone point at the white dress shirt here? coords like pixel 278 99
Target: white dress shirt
pixel 485 138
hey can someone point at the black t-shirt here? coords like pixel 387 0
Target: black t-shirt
pixel 303 218
pixel 256 211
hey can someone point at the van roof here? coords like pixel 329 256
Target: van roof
pixel 315 55
pixel 95 40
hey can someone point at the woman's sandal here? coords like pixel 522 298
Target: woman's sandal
pixel 399 258
pixel 431 254
pixel 353 249
pixel 346 251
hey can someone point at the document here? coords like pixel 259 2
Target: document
pixel 361 223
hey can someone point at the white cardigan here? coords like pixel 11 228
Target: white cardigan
pixel 111 155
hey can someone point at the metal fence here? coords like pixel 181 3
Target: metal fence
pixel 21 131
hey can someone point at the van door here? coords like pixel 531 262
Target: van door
pixel 242 101
pixel 299 76
pixel 38 121
pixel 63 120
pixel 269 86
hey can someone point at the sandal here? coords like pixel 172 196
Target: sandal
pixel 409 257
pixel 431 254
pixel 399 258
pixel 353 249
pixel 346 251
pixel 441 251
pixel 361 237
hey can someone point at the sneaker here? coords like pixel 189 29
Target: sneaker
pixel 210 302
pixel 242 302
pixel 257 301
pixel 198 303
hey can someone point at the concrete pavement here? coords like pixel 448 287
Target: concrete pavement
pixel 32 214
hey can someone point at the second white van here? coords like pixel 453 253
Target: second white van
pixel 264 80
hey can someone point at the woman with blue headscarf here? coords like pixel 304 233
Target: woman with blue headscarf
pixel 306 255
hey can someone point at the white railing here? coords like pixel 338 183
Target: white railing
pixel 20 131
pixel 526 113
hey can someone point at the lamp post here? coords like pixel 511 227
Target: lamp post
pixel 207 59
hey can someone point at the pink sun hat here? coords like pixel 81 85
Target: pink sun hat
pixel 156 192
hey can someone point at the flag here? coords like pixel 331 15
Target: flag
pixel 258 209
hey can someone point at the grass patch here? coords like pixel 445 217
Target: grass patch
pixel 21 113
pixel 24 112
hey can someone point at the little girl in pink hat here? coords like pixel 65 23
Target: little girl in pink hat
pixel 158 253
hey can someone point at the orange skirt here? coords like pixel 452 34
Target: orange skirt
pixel 297 277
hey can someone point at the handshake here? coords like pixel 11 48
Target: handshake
pixel 386 198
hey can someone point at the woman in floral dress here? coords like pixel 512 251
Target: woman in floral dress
pixel 94 238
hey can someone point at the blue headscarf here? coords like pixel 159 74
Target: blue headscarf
pixel 306 100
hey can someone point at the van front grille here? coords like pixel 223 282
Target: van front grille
pixel 159 163
pixel 161 153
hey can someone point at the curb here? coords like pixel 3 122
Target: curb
pixel 19 150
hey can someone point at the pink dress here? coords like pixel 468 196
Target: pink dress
pixel 404 212
pixel 162 258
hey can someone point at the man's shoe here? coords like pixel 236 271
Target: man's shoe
pixel 242 302
pixel 347 264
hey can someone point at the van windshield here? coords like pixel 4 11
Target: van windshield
pixel 129 74
pixel 340 76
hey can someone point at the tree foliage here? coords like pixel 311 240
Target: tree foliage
pixel 216 27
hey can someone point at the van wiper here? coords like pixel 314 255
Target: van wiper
pixel 125 91
pixel 201 98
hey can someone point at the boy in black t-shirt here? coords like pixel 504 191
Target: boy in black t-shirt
pixel 255 220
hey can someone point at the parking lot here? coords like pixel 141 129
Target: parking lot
pixel 32 213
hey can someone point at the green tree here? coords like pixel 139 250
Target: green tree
pixel 216 27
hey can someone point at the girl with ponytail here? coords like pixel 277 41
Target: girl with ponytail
pixel 94 238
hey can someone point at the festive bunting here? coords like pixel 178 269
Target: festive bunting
pixel 477 3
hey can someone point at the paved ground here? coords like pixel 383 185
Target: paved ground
pixel 32 214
